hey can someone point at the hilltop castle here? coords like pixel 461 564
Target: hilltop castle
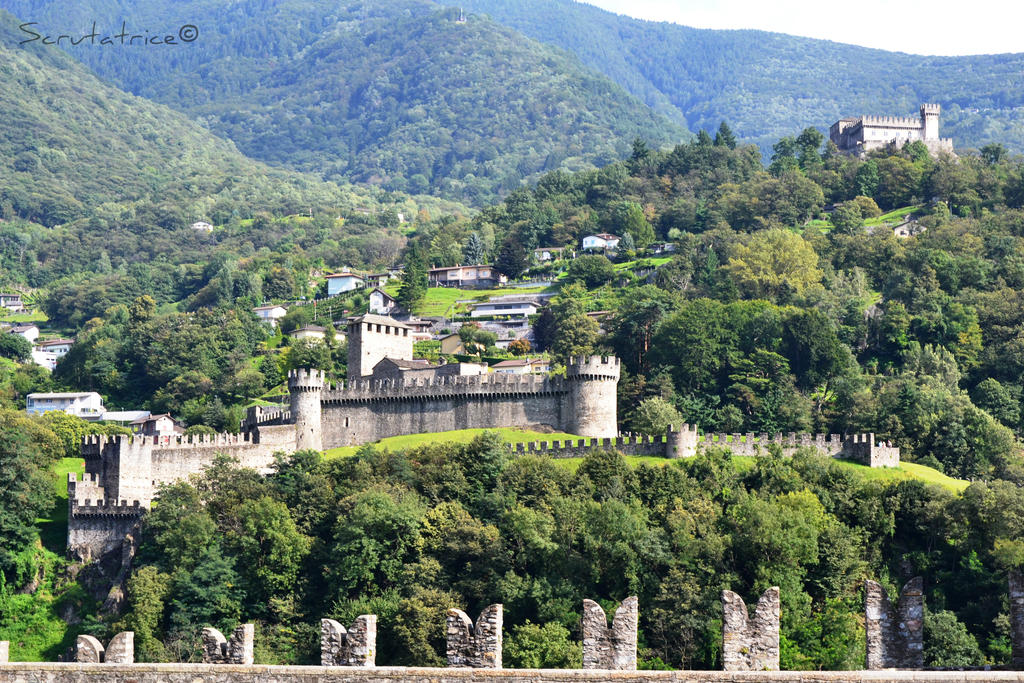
pixel 860 135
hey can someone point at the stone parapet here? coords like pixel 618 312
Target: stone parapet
pixel 478 646
pixel 219 650
pixel 612 648
pixel 895 638
pixel 750 644
pixel 355 647
pixel 120 650
pixel 495 384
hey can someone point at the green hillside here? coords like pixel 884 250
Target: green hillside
pixel 768 85
pixel 400 95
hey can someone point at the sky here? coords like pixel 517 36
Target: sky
pixel 940 27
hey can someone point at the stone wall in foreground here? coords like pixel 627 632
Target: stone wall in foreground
pixel 213 673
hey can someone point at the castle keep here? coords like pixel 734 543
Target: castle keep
pixel 863 134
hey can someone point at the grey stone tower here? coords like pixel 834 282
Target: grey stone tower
pixel 304 389
pixel 592 409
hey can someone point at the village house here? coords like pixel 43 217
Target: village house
pixel 469 277
pixel 270 314
pixel 84 404
pixel 339 283
pixel 420 329
pixel 315 332
pixel 523 366
pixel 202 226
pixel 27 330
pixel 380 279
pixel 518 309
pixel 602 241
pixel 12 302
pixel 452 345
pixel 60 347
pixel 162 425
pixel 381 303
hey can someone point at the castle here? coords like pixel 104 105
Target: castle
pixel 389 394
pixel 863 134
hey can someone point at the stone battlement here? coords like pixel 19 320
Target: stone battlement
pixel 593 367
pixel 892 121
pixel 442 387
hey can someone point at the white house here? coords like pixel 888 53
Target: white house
pixel 270 314
pixel 381 303
pixel 202 226
pixel 522 366
pixel 44 358
pixel 26 330
pixel 12 302
pixel 57 346
pixel 84 404
pixel 478 276
pixel 315 332
pixel 519 309
pixel 602 240
pixel 157 425
pixel 343 282
pixel 543 254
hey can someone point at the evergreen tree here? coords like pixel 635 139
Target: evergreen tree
pixel 413 287
pixel 473 253
pixel 724 137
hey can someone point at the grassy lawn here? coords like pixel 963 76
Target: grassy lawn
pixel 35 316
pixel 893 217
pixel 398 443
pixel 53 529
pixel 656 261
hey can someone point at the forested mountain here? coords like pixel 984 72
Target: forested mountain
pixel 72 146
pixel 768 85
pixel 399 94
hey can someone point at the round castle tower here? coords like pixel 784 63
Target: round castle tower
pixel 593 404
pixel 304 389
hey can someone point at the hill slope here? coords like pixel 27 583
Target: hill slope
pixel 399 94
pixel 70 143
pixel 767 85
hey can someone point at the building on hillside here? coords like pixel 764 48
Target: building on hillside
pixel 452 345
pixel 381 279
pixel 661 248
pixel 600 241
pixel 60 347
pixel 315 332
pixel 507 307
pixel 381 303
pixel 403 370
pixel 270 313
pixel 339 283
pixel 12 302
pixel 862 134
pixel 202 226
pixel 523 366
pixel 545 254
pixel 157 425
pixel 421 329
pixel 27 330
pixel 84 404
pixel 469 277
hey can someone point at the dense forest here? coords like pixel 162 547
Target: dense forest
pixel 398 95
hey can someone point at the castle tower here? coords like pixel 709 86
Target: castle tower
pixel 592 404
pixel 930 121
pixel 304 389
pixel 371 339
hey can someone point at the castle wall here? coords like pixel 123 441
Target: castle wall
pixel 352 423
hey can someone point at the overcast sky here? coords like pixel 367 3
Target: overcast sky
pixel 948 27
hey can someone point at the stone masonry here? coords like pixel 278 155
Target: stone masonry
pixel 120 650
pixel 894 637
pixel 218 650
pixel 610 648
pixel 355 647
pixel 1017 618
pixel 750 645
pixel 477 647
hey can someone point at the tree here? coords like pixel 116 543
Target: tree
pixel 846 217
pixel 473 252
pixel 15 347
pixel 512 258
pixel 724 137
pixel 413 286
pixel 948 642
pixel 654 415
pixel 532 646
pixel 993 153
pixel 519 347
pixel 593 270
pixel 775 263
